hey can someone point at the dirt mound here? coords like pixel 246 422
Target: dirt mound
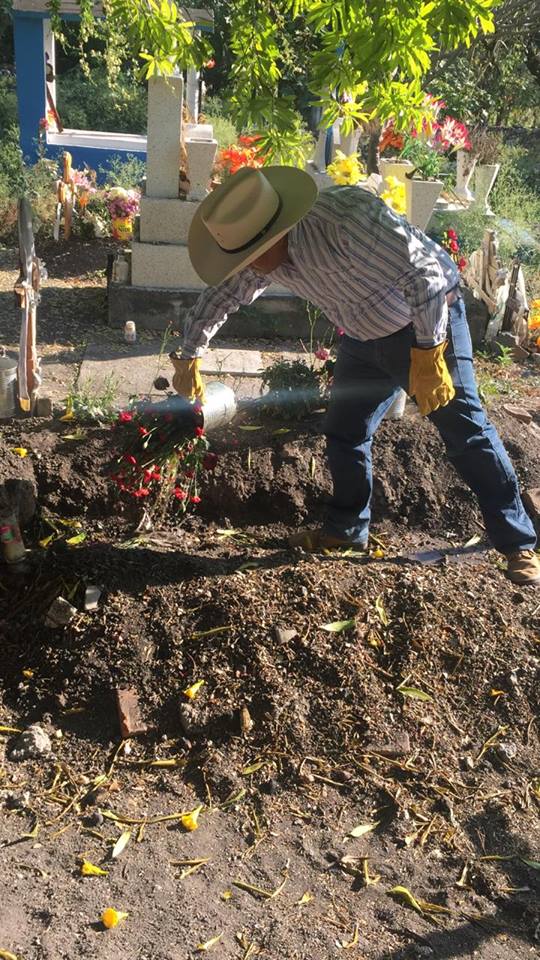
pixel 339 691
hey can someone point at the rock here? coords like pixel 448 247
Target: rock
pixel 506 750
pixel 44 407
pixel 95 819
pixel 246 722
pixel 284 634
pixel 519 413
pixel 397 747
pixel 91 597
pixel 508 339
pixel 531 499
pixel 421 950
pixel 127 702
pixel 60 613
pixel 31 744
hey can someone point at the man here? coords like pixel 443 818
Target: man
pixel 396 295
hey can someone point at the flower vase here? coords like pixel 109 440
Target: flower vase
pixel 200 161
pixel 485 177
pixel 420 199
pixel 122 228
pixel 349 143
pixel 394 168
pixel 466 163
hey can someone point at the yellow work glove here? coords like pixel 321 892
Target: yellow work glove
pixel 187 380
pixel 429 379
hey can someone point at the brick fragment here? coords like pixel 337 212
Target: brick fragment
pixel 131 722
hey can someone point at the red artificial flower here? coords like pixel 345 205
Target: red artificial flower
pixel 129 458
pixel 142 492
pixel 199 431
pixel 147 476
pixel 210 461
pixel 452 234
pixel 462 263
pixel 195 499
pixel 179 493
pixel 125 416
pixel 143 431
pixel 155 475
pixel 454 246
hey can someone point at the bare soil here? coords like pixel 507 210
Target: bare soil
pixel 298 735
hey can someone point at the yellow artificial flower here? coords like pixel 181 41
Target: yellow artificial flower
pixel 20 451
pixel 345 171
pixel 90 870
pixel 111 917
pixel 192 691
pixel 189 821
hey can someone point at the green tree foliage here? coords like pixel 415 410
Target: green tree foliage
pixel 367 57
pixel 496 80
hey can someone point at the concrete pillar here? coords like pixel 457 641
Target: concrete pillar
pixel 200 160
pixel 165 96
pixel 192 92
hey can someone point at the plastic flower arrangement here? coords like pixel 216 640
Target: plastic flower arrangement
pixel 247 154
pixel 345 171
pixel 450 243
pixel 163 451
pixel 394 195
pixel 122 203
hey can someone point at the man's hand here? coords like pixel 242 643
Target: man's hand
pixel 187 380
pixel 429 379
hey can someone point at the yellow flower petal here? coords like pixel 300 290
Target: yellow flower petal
pixel 111 917
pixel 189 821
pixel 20 451
pixel 90 870
pixel 192 691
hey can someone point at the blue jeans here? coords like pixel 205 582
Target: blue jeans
pixel 367 376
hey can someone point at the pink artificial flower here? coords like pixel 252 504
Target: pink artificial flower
pixel 322 353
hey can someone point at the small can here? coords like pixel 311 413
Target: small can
pixel 130 332
pixel 13 549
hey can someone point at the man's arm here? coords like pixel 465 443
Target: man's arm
pixel 424 287
pixel 214 306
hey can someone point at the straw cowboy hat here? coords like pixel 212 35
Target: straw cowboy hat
pixel 245 216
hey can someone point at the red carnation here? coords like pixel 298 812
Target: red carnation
pixel 129 458
pixel 143 431
pixel 452 234
pixel 462 263
pixel 179 493
pixel 124 416
pixel 195 499
pixel 199 431
pixel 454 246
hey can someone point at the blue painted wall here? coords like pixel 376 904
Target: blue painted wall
pixel 30 67
pixel 30 75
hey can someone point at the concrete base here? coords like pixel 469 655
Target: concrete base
pixel 163 265
pixel 279 316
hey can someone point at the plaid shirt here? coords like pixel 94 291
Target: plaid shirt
pixel 368 270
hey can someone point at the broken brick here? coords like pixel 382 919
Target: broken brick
pixel 127 702
pixel 531 499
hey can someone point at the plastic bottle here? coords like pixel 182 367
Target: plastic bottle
pixel 13 550
pixel 130 332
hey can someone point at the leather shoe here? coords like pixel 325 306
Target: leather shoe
pixel 523 567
